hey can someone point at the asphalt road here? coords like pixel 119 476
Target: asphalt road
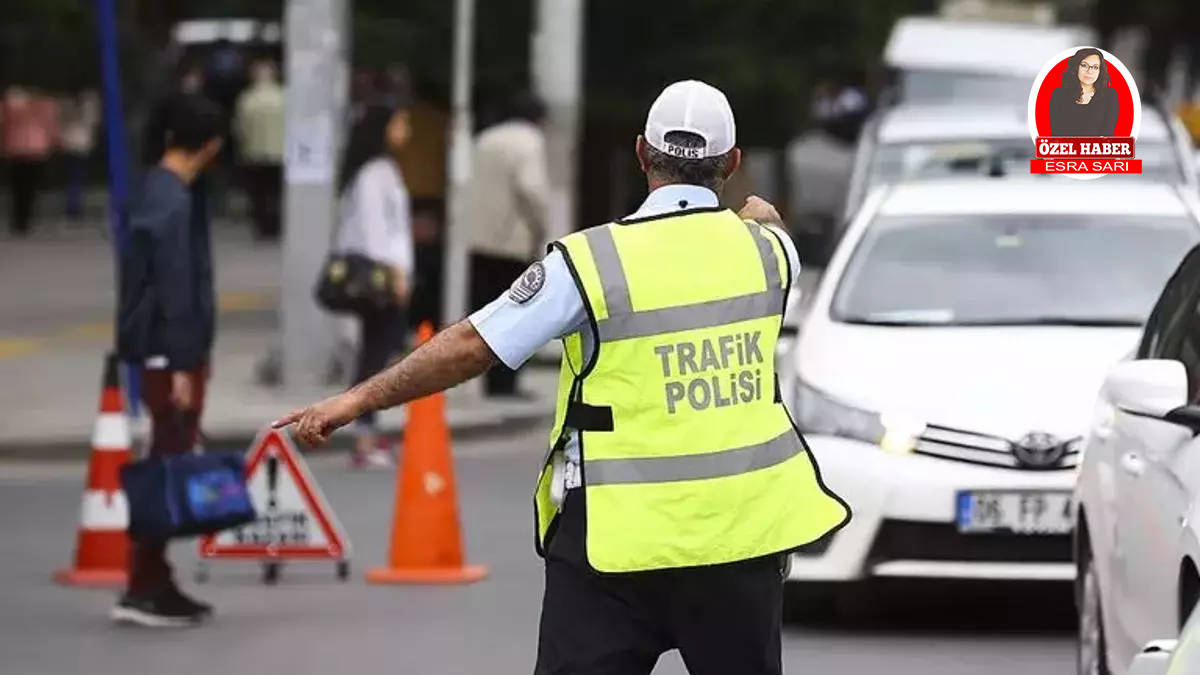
pixel 312 624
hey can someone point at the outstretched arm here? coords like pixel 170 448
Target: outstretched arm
pixel 542 305
pixel 452 357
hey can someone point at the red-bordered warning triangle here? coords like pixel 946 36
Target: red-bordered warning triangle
pixel 294 518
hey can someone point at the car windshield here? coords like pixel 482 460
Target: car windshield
pixel 1011 269
pixel 940 86
pixel 900 162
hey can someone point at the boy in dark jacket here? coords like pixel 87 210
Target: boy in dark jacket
pixel 166 325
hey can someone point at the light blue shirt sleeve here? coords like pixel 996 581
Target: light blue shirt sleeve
pixel 515 331
pixel 789 249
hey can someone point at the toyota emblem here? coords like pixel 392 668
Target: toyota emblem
pixel 1039 450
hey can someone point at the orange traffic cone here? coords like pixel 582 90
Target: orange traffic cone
pixel 102 547
pixel 427 543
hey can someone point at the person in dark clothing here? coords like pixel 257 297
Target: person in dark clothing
pixel 154 135
pixel 1084 105
pixel 166 325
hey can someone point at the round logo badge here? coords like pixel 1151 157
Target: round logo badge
pixel 1039 450
pixel 528 284
pixel 1084 116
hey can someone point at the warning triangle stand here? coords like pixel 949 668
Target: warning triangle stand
pixel 295 521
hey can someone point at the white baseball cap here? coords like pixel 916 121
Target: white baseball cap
pixel 694 107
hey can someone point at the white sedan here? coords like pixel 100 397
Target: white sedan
pixel 1138 532
pixel 946 368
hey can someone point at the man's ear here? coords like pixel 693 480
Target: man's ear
pixel 733 162
pixel 212 149
pixel 639 148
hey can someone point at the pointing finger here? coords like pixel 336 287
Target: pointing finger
pixel 287 419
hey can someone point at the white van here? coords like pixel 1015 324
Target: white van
pixel 939 60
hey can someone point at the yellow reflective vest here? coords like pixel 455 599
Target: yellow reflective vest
pixel 688 455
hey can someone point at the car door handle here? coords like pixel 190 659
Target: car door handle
pixel 1132 464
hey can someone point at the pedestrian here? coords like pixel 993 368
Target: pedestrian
pixel 166 324
pixel 29 134
pixel 507 201
pixel 258 125
pixel 375 221
pixel 676 484
pixel 80 120
pixel 188 85
pixel 189 82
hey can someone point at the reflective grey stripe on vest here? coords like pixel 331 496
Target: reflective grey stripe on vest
pixel 692 467
pixel 612 275
pixel 623 323
pixel 770 261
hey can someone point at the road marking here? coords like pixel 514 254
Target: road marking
pixel 245 301
pixel 88 331
pixel 12 347
pixel 227 303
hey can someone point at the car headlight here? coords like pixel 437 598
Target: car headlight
pixel 817 413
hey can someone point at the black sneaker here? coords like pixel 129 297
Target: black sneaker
pixel 201 608
pixel 164 610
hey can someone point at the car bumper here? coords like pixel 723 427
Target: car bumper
pixel 903 522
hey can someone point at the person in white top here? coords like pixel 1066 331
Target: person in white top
pixel 376 221
pixel 81 117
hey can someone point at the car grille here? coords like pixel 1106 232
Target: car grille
pixel 913 540
pixel 982 449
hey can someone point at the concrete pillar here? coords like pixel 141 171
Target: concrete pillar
pixel 315 62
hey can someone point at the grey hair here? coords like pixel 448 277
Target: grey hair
pixel 708 172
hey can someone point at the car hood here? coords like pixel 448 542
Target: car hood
pixel 1005 381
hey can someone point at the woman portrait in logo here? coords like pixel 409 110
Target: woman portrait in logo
pixel 1084 105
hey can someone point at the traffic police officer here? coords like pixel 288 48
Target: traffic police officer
pixel 676 484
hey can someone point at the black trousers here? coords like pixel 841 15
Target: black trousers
pixel 723 619
pixel 381 337
pixel 25 176
pixel 490 277
pixel 264 187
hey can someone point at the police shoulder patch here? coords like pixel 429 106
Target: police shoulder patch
pixel 528 284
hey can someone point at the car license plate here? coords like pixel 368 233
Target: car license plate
pixel 1019 512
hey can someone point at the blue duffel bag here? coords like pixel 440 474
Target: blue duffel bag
pixel 187 495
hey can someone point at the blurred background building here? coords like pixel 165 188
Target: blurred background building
pixel 779 60
pixel 803 76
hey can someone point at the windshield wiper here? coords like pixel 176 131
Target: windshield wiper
pixel 1084 321
pixel 867 321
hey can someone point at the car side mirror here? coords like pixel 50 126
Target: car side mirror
pixel 1156 388
pixel 1154 658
